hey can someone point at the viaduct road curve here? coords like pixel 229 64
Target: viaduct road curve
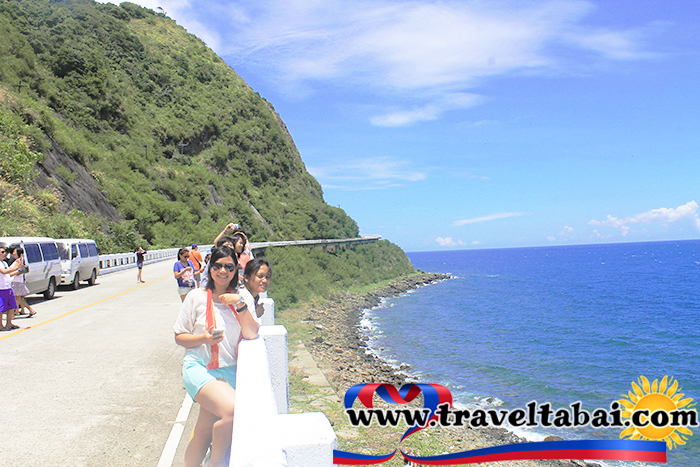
pixel 94 379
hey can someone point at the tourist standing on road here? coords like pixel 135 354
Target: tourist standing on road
pixel 18 286
pixel 8 304
pixel 184 273
pixel 210 329
pixel 256 279
pixel 140 254
pixel 196 258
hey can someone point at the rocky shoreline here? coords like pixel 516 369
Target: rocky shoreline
pixel 340 349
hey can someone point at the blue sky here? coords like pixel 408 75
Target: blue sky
pixel 481 124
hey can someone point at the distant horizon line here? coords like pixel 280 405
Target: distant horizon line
pixel 554 246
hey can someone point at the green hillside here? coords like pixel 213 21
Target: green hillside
pixel 141 133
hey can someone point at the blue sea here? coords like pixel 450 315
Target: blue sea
pixel 551 324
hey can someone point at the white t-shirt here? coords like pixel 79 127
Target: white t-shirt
pixel 250 301
pixel 193 319
pixel 5 279
pixel 19 278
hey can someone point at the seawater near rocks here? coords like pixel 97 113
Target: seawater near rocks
pixel 340 349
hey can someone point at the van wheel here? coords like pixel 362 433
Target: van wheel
pixel 49 293
pixel 93 278
pixel 76 281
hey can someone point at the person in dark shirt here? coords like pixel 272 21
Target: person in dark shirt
pixel 140 254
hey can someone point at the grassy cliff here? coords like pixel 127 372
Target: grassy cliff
pixel 118 125
pixel 123 104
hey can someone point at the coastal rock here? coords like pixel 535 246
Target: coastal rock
pixel 343 356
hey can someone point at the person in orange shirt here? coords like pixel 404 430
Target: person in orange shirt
pixel 196 258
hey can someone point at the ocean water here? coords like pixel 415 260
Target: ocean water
pixel 551 324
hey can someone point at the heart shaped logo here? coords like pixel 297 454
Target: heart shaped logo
pixel 434 395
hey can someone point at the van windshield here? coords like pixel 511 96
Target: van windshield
pixel 63 250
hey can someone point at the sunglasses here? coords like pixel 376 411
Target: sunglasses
pixel 230 267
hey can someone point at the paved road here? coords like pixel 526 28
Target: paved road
pixel 94 378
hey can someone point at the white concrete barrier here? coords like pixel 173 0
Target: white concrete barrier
pixel 275 338
pixel 268 319
pixel 264 434
pixel 120 261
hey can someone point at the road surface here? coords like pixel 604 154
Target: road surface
pixel 94 379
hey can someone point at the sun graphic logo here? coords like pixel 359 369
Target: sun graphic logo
pixel 653 412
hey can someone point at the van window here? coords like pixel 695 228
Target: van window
pixel 32 252
pixel 83 250
pixel 74 251
pixel 92 249
pixel 63 250
pixel 49 251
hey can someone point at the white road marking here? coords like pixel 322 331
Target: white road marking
pixel 168 454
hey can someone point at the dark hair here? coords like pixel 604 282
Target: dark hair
pixel 182 250
pixel 255 264
pixel 223 240
pixel 238 235
pixel 19 251
pixel 216 254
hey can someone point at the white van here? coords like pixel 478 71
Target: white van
pixel 80 261
pixel 42 259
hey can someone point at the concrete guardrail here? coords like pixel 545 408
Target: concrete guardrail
pixel 121 261
pixel 264 432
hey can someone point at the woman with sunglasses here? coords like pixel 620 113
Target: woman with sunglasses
pixel 211 323
pixel 184 273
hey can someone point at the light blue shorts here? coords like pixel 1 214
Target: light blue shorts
pixel 195 375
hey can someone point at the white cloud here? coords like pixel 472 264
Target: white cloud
pixel 430 52
pixel 663 216
pixel 428 112
pixel 491 217
pixel 447 241
pixel 368 174
pixel 566 234
pixel 597 235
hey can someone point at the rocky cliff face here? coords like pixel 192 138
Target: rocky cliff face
pixel 80 191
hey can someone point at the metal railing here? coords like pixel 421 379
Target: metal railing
pixel 318 243
pixel 121 261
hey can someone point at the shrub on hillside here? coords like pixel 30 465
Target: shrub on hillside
pixel 301 274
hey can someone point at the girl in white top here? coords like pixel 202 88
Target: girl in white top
pixel 210 329
pixel 256 279
pixel 8 304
